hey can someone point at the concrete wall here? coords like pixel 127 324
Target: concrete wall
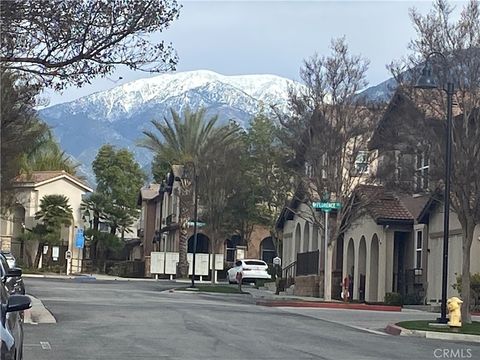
pixel 307 286
pixel 455 256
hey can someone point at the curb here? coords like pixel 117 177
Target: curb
pixel 38 314
pixel 396 330
pixel 311 304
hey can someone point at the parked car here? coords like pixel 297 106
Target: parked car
pixel 11 261
pixel 13 282
pixel 11 319
pixel 251 270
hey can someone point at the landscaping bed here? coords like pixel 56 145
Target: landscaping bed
pixel 472 329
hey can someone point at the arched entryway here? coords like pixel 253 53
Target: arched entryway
pixel 267 250
pixel 315 238
pixel 203 244
pixel 297 241
pixel 306 237
pixel 17 245
pixel 373 271
pixel 362 268
pixel 350 266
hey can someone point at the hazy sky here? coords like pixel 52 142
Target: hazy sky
pixel 258 37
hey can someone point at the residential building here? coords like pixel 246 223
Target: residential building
pixel 29 190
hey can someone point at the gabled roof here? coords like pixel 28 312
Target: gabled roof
pixel 384 206
pixel 149 193
pixel 39 178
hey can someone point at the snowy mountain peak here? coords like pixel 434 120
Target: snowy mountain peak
pixel 110 105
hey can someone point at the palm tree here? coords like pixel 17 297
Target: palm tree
pixel 186 140
pixel 47 156
pixel 54 213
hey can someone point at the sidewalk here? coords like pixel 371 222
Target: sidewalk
pixel 86 277
pixel 38 314
pixel 372 318
pixel 268 298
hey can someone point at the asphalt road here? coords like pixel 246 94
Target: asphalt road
pixel 141 320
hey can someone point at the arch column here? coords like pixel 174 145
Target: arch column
pixel 368 269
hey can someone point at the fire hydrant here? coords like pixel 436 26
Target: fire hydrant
pixel 454 305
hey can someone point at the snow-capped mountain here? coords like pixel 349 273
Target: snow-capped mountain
pixel 119 115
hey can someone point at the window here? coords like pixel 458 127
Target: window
pixel 421 171
pixel 361 163
pixel 418 249
pixel 308 169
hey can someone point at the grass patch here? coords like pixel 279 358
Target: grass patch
pixel 225 289
pixel 472 329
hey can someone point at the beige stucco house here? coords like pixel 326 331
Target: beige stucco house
pixel 29 190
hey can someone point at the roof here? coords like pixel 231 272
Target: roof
pixel 385 207
pixel 150 192
pixel 415 204
pixel 38 178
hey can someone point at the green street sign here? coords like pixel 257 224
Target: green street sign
pixel 326 206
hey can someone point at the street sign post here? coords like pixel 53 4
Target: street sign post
pixel 326 207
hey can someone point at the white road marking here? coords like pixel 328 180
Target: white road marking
pixel 45 345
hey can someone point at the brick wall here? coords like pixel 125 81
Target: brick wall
pixel 308 285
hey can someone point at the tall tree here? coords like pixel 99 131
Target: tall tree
pixel 48 156
pixel 187 140
pixel 21 130
pixel 55 212
pixel 218 185
pixel 459 42
pixel 118 177
pixel 328 133
pixel 266 160
pixel 63 43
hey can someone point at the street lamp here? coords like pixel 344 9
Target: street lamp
pixel 427 81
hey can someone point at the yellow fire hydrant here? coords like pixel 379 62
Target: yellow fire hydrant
pixel 454 305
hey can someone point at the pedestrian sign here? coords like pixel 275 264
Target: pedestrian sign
pixel 326 206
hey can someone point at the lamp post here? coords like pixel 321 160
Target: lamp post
pixel 195 219
pixel 427 81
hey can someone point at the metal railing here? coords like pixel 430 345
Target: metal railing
pixel 307 263
pixel 288 273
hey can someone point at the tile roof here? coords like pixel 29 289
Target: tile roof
pixel 383 205
pixel 151 192
pixel 37 177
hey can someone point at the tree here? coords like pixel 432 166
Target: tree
pixel 328 133
pixel 267 168
pixel 21 130
pixel 218 185
pixel 70 42
pixel 48 156
pixel 188 140
pixel 118 177
pixel 459 42
pixel 55 213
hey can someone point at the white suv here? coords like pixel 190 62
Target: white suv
pixel 250 270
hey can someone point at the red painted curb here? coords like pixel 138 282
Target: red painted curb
pixel 393 329
pixel 312 304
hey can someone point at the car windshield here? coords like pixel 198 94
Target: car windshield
pixel 255 262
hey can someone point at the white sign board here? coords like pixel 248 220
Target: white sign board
pixel 68 255
pixel 55 253
pixel 157 263
pixel 171 261
pixel 277 261
pixel 218 262
pixel 201 264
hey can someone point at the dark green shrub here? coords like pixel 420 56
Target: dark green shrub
pixel 393 299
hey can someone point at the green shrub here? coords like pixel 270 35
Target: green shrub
pixel 412 299
pixel 393 299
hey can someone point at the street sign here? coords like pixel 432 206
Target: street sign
pixel 199 224
pixel 68 255
pixel 79 239
pixel 326 206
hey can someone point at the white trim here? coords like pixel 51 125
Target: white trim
pixel 47 181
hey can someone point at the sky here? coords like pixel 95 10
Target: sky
pixel 273 37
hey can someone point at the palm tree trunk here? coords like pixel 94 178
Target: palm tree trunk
pixel 38 255
pixel 182 269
